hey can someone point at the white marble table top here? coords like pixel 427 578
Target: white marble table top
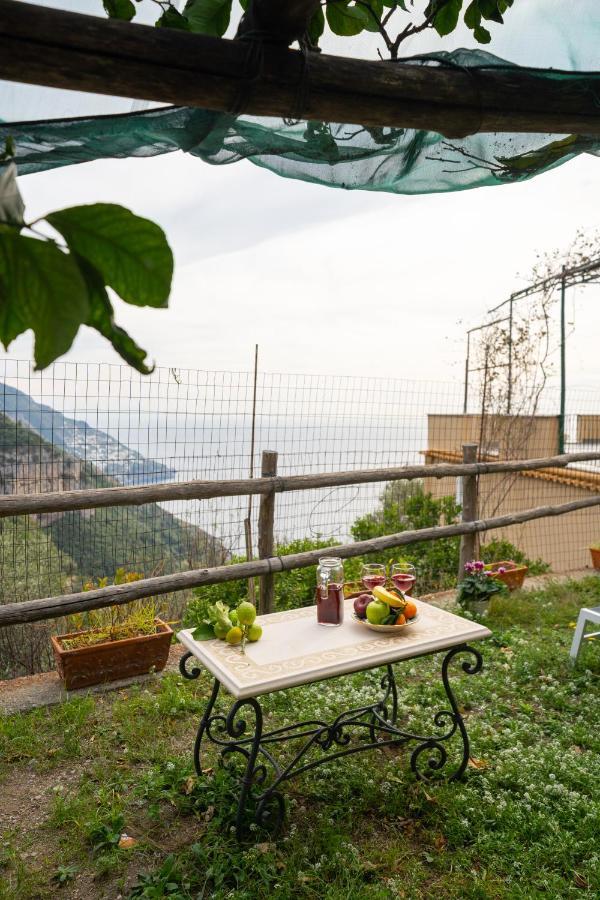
pixel 294 649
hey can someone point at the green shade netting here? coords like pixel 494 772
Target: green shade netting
pixel 403 161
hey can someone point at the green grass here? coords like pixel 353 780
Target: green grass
pixel 523 824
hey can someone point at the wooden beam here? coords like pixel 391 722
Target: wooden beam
pixel 40 45
pixel 55 607
pixel 98 498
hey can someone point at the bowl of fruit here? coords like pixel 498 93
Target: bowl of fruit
pixel 385 611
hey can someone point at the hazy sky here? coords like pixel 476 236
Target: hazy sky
pixel 332 281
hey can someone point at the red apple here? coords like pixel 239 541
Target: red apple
pixel 360 605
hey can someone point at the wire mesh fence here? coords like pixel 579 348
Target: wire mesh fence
pixel 89 425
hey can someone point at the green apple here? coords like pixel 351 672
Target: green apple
pixel 377 612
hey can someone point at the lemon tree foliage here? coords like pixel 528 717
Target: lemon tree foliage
pixel 53 286
pixel 345 18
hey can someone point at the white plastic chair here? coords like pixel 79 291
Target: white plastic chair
pixel 585 616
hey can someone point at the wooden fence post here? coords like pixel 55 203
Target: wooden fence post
pixel 469 509
pixel 266 538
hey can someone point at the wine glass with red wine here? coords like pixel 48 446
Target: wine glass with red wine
pixel 373 575
pixel 404 577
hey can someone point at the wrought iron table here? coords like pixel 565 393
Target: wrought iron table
pixel 295 650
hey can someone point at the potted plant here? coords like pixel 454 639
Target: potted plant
pixel 112 643
pixel 478 586
pixel 508 571
pixel 595 552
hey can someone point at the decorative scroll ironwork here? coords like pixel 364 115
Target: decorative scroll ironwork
pixel 194 672
pixel 372 726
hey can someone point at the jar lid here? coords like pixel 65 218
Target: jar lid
pixel 330 561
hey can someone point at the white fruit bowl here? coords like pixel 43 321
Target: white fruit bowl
pixel 385 629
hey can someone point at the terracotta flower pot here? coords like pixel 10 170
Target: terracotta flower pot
pixel 513 576
pixel 112 660
pixel 595 551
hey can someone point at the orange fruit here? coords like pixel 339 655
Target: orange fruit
pixel 400 620
pixel 410 610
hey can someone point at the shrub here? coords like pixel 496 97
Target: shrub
pixel 496 550
pixel 436 562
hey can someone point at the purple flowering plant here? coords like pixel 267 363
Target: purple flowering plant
pixel 479 584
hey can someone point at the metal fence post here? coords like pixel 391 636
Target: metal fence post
pixel 563 364
pixel 469 508
pixel 266 537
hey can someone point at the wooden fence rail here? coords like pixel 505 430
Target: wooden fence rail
pixel 96 498
pixel 54 607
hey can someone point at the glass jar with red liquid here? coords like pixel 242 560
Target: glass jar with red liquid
pixel 330 591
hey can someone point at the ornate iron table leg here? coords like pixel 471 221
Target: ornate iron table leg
pixel 452 718
pixel 253 774
pixel 372 726
pixel 215 727
pixel 192 674
pixel 380 710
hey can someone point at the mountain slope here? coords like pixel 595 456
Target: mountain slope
pixel 43 554
pixel 82 441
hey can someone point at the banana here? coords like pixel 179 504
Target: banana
pixel 387 597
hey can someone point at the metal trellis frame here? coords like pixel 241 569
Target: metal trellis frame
pixel 585 273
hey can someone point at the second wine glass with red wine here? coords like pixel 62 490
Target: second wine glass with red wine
pixel 373 575
pixel 404 577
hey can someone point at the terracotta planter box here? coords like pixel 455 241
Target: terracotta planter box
pixel 514 576
pixel 595 551
pixel 112 660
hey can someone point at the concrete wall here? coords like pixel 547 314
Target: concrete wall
pixel 514 437
pixel 562 541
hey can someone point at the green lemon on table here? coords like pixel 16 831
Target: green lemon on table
pixel 234 635
pixel 246 613
pixel 254 633
pixel 377 612
pixel 220 629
